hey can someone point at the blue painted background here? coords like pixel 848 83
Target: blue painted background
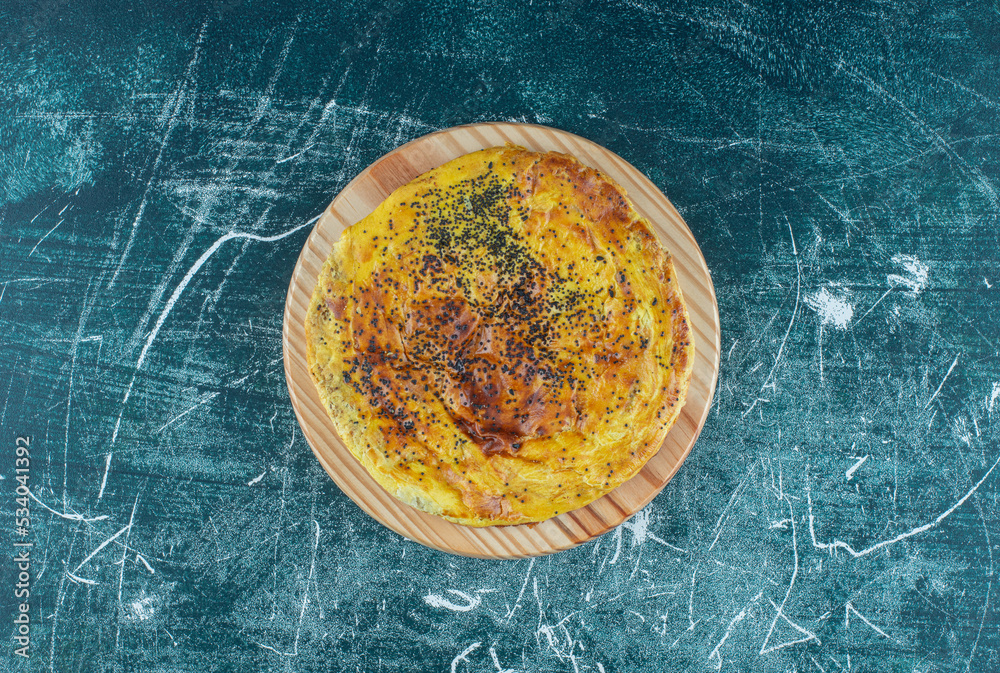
pixel 839 165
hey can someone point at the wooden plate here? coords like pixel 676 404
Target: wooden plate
pixel 367 191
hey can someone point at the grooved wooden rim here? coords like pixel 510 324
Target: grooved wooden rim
pixel 567 530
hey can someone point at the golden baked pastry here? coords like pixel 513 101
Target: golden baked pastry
pixel 503 339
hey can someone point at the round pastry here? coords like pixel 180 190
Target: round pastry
pixel 503 339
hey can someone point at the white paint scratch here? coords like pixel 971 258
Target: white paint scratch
pixel 877 302
pixel 281 161
pixel 257 478
pixel 915 279
pixel 779 610
pixel 798 295
pixel 942 381
pixel 849 608
pixel 121 570
pixel 985 186
pixel 496 662
pixel 305 603
pixel 141 609
pixel 44 237
pixel 305 592
pixel 80 580
pixel 464 656
pixel 141 559
pixel 101 546
pixel 176 102
pixel 736 620
pixel 180 289
pixel 993 398
pixel 854 468
pixel 69 517
pixel 204 400
pixel 104 479
pixel 527 575
pixel 837 544
pixel 438 601
pixel 832 309
pixel 639 527
pixel 732 499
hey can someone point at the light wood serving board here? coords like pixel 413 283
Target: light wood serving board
pixel 368 190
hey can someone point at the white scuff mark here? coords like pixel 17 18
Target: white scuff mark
pixel 837 544
pixel 819 347
pixel 552 639
pixel 779 525
pixel 44 237
pixel 752 406
pixel 104 479
pixel 961 431
pixel 993 398
pixel 736 620
pixel 691 621
pixel 176 102
pixel 527 575
pixel 69 517
pixel 204 400
pixel 849 608
pixel 854 468
pixel 257 478
pixel 496 662
pixel 795 311
pixel 915 280
pixel 986 187
pixel 639 527
pixel 141 610
pixel 205 256
pixel 942 381
pixel 84 315
pixel 987 283
pixel 101 546
pixel 832 309
pixel 121 570
pixel 438 601
pixel 305 602
pixel 299 153
pixel 79 580
pixel 464 656
pixel 618 548
pixel 737 493
pixel 141 559
pixel 779 610
pixel 877 302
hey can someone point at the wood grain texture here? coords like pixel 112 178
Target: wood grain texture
pixel 567 530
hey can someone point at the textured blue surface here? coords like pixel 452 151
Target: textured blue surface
pixel 839 165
